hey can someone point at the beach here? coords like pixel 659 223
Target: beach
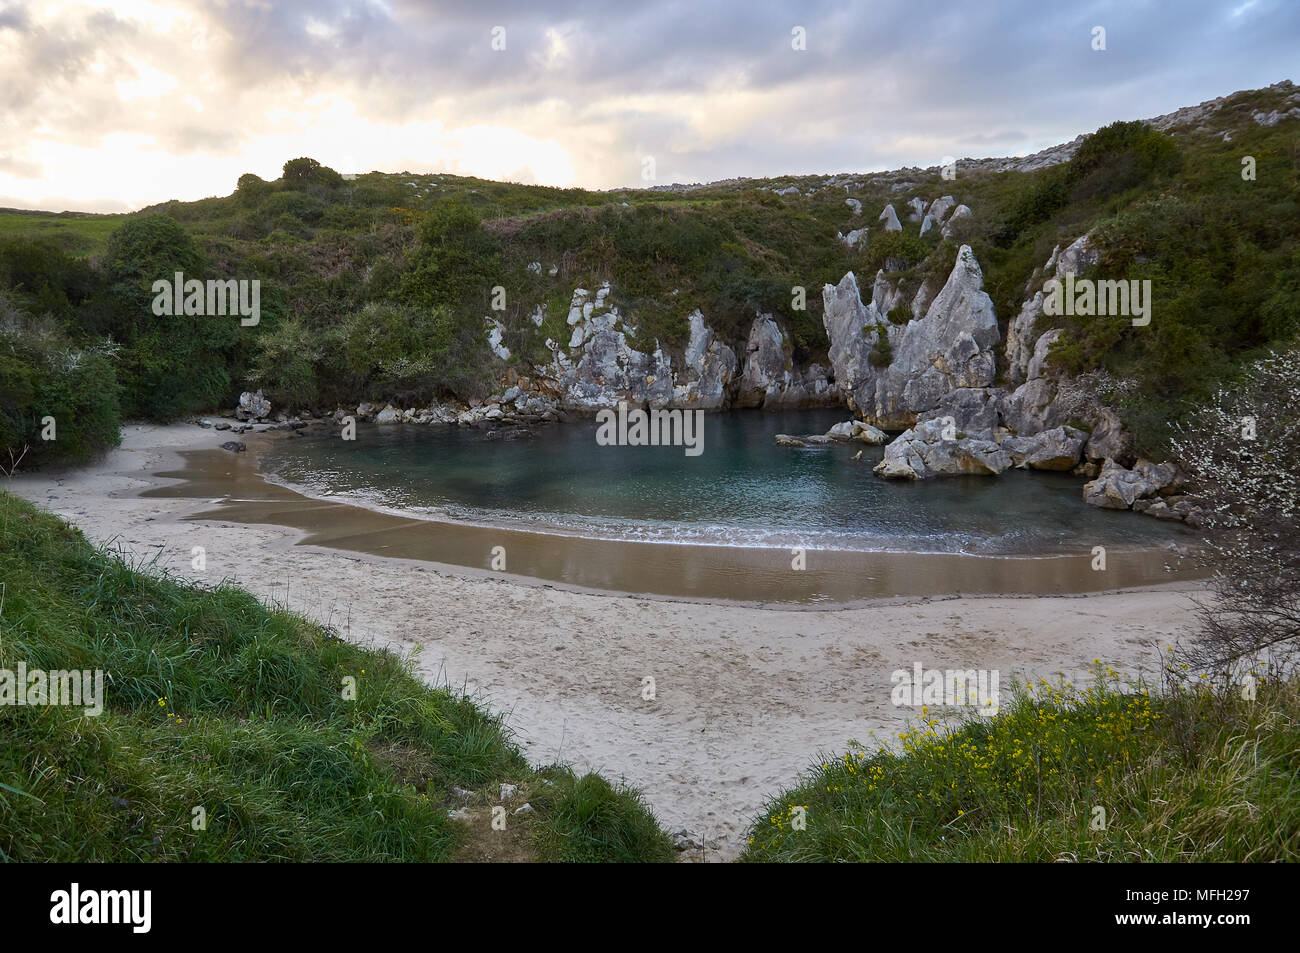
pixel 746 691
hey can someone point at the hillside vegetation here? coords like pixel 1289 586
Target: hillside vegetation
pixel 213 701
pixel 1105 773
pixel 377 286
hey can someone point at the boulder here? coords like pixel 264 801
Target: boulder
pixel 856 430
pixel 918 209
pixel 1056 449
pixel 389 415
pixel 1108 440
pixel 252 406
pixel 234 446
pixel 1165 477
pixel 890 218
pixel 922 453
pixel 855 205
pixel 1117 488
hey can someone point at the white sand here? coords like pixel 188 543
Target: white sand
pixel 746 697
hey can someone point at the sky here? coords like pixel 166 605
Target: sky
pixel 112 106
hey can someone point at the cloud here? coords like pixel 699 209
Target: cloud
pixel 137 101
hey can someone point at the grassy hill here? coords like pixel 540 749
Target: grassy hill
pixel 376 286
pixel 213 701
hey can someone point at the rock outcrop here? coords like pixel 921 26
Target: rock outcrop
pixel 939 208
pixel 1056 449
pixel 710 367
pixel 769 378
pixel 253 406
pixel 951 347
pixel 926 451
pixel 853 239
pixel 890 218
pixel 959 214
pixel 1150 488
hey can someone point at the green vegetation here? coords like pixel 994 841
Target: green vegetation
pixel 1189 775
pixel 376 286
pixel 214 701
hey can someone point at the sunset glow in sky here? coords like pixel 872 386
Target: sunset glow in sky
pixel 111 106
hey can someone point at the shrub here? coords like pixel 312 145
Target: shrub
pixel 42 375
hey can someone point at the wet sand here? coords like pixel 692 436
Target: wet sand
pixel 750 576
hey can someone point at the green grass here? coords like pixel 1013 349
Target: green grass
pixel 214 701
pixel 1184 776
pixel 78 233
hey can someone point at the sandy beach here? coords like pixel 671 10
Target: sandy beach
pixel 745 695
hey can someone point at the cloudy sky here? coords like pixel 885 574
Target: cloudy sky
pixel 111 106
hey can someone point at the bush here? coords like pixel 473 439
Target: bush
pixel 42 375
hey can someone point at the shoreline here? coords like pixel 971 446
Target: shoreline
pixel 746 696
pixel 234 488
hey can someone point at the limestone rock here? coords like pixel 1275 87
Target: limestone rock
pixel 253 406
pixel 1108 440
pixel 1056 449
pixel 710 366
pixel 950 347
pixel 958 214
pixel 939 208
pixel 890 218
pixel 855 205
pixel 1117 488
pixel 853 239
pixel 921 453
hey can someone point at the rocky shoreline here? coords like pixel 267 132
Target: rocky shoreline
pixel 921 365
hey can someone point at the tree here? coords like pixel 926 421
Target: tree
pixel 303 172
pixel 1241 453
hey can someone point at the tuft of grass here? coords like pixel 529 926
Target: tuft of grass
pixel 220 709
pixel 589 820
pixel 1187 776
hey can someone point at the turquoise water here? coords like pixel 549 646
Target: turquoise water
pixel 742 490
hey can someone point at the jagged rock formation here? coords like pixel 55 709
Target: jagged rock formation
pixel 950 347
pixel 854 238
pixel 769 378
pixel 959 213
pixel 890 218
pixel 710 367
pixel 939 208
pixel 600 365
